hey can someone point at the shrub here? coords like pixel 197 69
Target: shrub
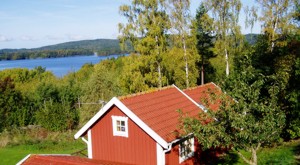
pixel 56 116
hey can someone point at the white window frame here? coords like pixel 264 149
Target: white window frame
pixel 183 155
pixel 114 124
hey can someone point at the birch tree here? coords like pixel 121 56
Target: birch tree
pixel 225 14
pixel 276 18
pixel 146 27
pixel 181 26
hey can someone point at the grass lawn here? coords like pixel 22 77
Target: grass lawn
pixel 288 154
pixel 14 153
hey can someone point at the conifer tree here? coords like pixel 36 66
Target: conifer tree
pixel 204 35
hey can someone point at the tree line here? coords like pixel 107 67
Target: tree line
pixel 172 47
pixel 101 47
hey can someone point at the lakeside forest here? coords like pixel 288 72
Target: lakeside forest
pixel 101 47
pixel 171 47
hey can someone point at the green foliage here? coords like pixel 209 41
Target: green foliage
pixel 133 78
pixel 282 62
pixel 56 116
pixel 13 109
pixel 146 28
pixel 103 83
pixel 277 23
pixel 175 68
pixel 252 119
pixel 204 43
pixel 229 41
pixel 293 100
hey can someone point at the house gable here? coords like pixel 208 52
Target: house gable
pixel 137 148
pixel 115 101
pixel 154 113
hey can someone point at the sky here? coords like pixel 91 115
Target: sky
pixel 36 23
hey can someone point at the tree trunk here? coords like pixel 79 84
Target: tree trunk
pixel 186 64
pixel 159 75
pixel 202 74
pixel 253 157
pixel 202 70
pixel 227 62
pixel 158 64
pixel 273 33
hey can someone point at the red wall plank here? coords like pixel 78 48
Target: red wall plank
pixel 138 148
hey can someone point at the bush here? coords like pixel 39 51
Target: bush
pixel 56 116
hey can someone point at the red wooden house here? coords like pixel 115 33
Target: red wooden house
pixel 143 128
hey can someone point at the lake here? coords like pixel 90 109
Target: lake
pixel 58 66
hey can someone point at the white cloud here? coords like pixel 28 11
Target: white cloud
pixel 27 38
pixel 51 37
pixel 5 39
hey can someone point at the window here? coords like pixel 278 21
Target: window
pixel 120 126
pixel 186 149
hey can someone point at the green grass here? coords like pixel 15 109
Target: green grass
pixel 12 154
pixel 288 154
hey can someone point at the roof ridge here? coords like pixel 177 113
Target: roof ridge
pixel 151 90
pixel 199 86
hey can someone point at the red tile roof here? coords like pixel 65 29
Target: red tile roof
pixel 64 160
pixel 156 112
pixel 158 109
pixel 207 95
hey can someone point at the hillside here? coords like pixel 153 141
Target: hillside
pixel 94 45
pixel 251 38
pixel 84 47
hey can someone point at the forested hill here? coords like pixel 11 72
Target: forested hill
pixel 84 47
pixel 105 45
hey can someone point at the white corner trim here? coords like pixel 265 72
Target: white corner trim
pixel 129 113
pixel 23 160
pixel 202 107
pixel 160 155
pixel 89 145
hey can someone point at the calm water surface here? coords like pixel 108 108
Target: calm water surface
pixel 59 66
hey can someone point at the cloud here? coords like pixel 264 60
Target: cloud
pixel 5 39
pixel 51 37
pixel 27 38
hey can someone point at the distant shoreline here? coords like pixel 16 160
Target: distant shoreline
pixel 101 47
pixel 59 66
pixel 77 55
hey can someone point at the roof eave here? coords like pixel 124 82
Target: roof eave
pixel 115 101
pixel 94 118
